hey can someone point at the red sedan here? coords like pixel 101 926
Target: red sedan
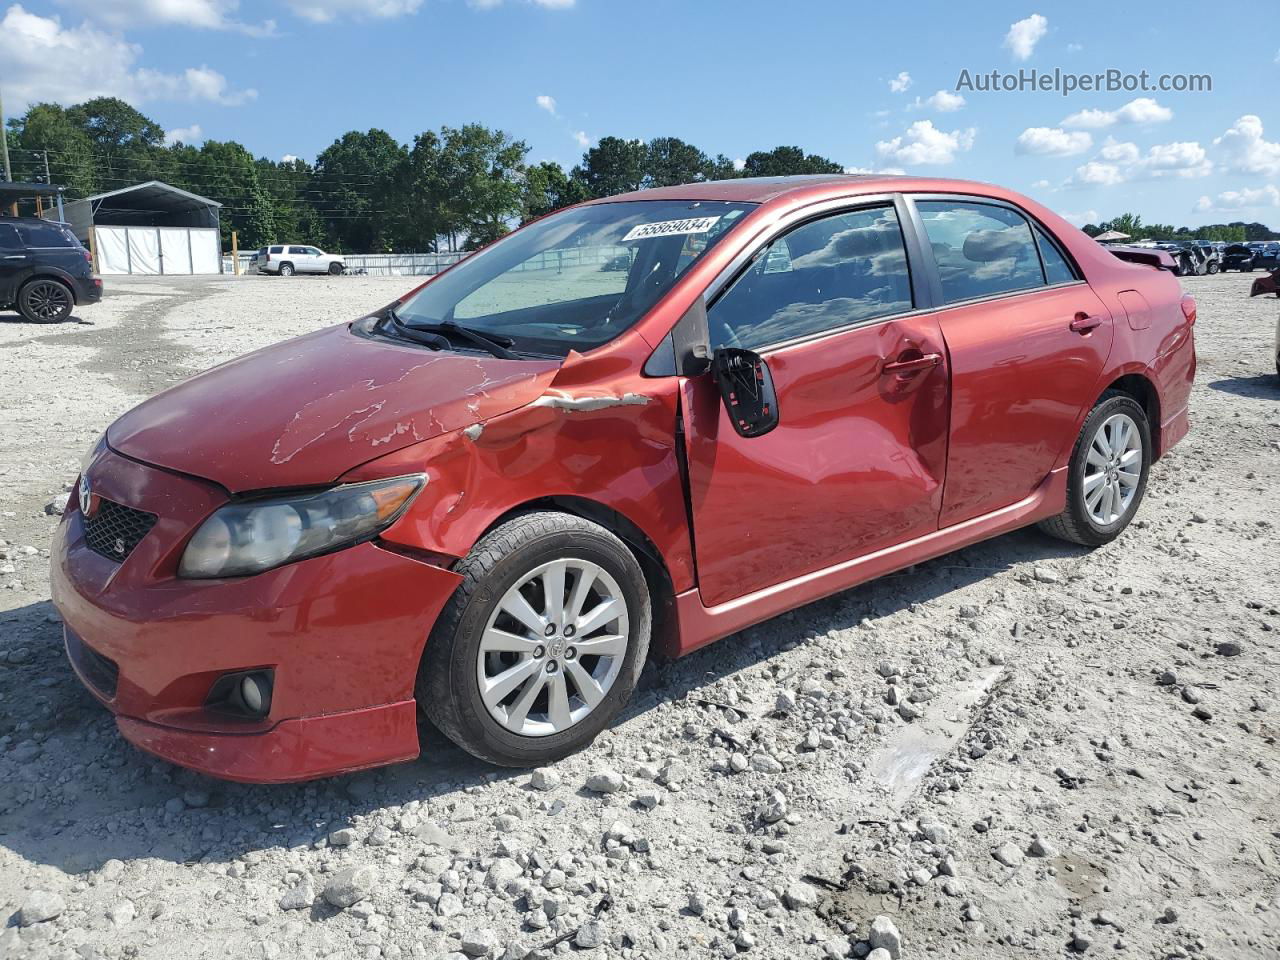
pixel 642 423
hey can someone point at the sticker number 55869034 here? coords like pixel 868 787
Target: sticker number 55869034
pixel 670 228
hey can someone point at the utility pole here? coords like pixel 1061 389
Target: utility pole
pixel 4 145
pixel 47 178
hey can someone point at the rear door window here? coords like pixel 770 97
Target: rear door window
pixel 829 273
pixel 982 250
pixel 47 235
pixel 1056 268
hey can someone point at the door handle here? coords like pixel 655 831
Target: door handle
pixel 1083 323
pixel 927 362
pixel 15 256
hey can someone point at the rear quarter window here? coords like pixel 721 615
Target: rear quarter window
pixel 47 235
pixel 1056 268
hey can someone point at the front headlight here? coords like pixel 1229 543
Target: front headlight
pixel 245 538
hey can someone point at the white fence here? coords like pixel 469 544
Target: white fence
pixel 429 264
pixel 382 264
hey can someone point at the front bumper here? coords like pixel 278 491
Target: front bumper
pixel 343 634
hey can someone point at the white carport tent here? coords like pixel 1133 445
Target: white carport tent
pixel 150 228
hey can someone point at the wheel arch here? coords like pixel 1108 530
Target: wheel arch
pixel 47 274
pixel 1143 390
pixel 663 640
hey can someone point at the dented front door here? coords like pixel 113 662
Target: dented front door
pixel 856 463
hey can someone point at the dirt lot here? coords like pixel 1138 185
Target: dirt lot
pixel 1093 768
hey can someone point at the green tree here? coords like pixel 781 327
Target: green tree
pixel 612 166
pixel 670 160
pixel 548 188
pixel 355 189
pixel 49 127
pixel 787 162
pixel 483 176
pixel 1129 223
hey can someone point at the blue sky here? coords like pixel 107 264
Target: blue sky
pixel 855 83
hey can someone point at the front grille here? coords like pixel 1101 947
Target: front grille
pixel 114 529
pixel 100 672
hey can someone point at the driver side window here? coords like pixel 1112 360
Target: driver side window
pixel 823 275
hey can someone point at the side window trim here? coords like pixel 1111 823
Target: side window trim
pixel 930 265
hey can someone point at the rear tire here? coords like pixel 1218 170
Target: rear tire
pixel 45 300
pixel 1105 479
pixel 545 710
pixel 286 269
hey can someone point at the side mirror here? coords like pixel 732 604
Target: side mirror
pixel 746 387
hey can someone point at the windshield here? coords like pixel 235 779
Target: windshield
pixel 577 279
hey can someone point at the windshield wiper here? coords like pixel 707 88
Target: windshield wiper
pixel 409 332
pixel 498 345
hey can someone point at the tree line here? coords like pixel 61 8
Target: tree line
pixel 452 188
pixel 456 187
pixel 1235 232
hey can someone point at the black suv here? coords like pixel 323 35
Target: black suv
pixel 44 271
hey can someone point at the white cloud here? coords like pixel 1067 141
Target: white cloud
pixel 923 143
pixel 1098 174
pixel 1081 218
pixel 881 171
pixel 1025 34
pixel 1142 110
pixel 289 158
pixel 1118 162
pixel 546 4
pixel 1074 47
pixel 205 14
pixel 582 139
pixel 900 83
pixel 1267 196
pixel 1113 151
pixel 1246 150
pixel 1052 142
pixel 46 61
pixel 1041 185
pixel 739 164
pixel 1185 160
pixel 325 11
pixel 191 134
pixel 944 101
pixel 547 103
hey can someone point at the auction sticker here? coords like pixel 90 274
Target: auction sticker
pixel 671 228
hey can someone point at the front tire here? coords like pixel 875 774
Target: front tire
pixel 335 269
pixel 45 301
pixel 1107 476
pixel 542 643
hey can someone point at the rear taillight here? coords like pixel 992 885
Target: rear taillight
pixel 1189 307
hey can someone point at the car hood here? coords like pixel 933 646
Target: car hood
pixel 306 411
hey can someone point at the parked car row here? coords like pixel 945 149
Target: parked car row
pixel 1255 255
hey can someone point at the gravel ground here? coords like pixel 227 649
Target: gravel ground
pixel 1022 749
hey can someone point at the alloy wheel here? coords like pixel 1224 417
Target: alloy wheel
pixel 1112 469
pixel 553 647
pixel 48 300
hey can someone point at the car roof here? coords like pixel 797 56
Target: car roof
pixel 55 223
pixel 799 188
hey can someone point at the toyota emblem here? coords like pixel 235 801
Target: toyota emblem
pixel 86 497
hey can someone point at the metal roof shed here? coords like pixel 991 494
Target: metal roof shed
pixel 150 204
pixel 149 228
